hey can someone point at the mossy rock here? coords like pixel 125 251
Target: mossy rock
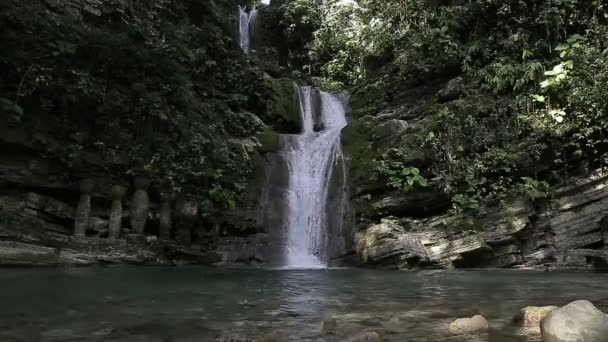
pixel 283 107
pixel 270 141
pixel 358 148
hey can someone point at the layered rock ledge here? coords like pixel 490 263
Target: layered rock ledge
pixel 567 231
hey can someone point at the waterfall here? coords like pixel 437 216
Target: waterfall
pixel 246 21
pixel 310 158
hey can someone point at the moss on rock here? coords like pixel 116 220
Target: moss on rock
pixel 269 141
pixel 283 108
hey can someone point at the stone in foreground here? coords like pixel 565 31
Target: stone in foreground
pixel 578 321
pixel 531 316
pixel 474 324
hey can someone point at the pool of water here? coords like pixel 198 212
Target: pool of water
pixel 193 304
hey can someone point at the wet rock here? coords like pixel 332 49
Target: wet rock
pixel 253 250
pixel 269 140
pixel 531 316
pixel 366 336
pixel 388 243
pixel 579 321
pixel 45 205
pixel 23 254
pixel 455 247
pixel 284 107
pixel 507 260
pixel 468 325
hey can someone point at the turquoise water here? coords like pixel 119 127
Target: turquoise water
pixel 192 304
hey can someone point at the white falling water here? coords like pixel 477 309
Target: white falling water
pixel 246 21
pixel 310 158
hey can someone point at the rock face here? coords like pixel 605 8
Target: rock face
pixel 468 325
pixel 569 232
pixel 578 321
pixel 140 205
pixel 387 244
pixel 531 316
pixel 452 90
pixel 81 223
pixel 115 224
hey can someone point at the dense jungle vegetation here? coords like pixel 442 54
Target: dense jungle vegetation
pixel 530 102
pixel 162 88
pixel 158 88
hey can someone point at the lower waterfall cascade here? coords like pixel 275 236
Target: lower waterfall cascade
pixel 310 159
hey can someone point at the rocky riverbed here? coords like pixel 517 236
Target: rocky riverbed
pixel 194 304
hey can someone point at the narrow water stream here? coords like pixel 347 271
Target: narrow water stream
pixel 246 21
pixel 154 304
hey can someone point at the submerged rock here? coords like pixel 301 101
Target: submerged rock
pixel 476 323
pixel 329 326
pixel 531 316
pixel 578 321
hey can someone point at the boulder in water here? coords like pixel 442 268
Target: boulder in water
pixel 578 321
pixel 531 316
pixel 474 324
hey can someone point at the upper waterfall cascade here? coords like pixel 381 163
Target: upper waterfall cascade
pixel 310 158
pixel 246 21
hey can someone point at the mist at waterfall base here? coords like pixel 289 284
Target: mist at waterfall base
pixel 192 304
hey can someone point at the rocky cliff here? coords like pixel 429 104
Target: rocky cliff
pixel 412 226
pixel 566 231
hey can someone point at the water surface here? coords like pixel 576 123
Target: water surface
pixel 193 304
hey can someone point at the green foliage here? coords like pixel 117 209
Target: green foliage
pixel 534 74
pixel 155 87
pixel 399 176
pixel 534 188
